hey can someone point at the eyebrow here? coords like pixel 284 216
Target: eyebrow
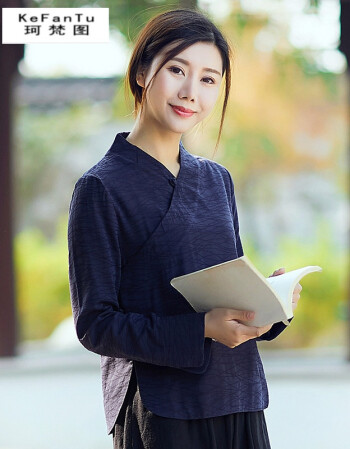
pixel 207 69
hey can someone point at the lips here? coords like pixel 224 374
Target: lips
pixel 182 111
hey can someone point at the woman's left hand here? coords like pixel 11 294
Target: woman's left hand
pixel 295 298
pixel 296 291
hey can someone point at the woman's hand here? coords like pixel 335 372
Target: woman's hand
pixel 224 325
pixel 296 292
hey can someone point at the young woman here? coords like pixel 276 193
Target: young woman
pixel 148 211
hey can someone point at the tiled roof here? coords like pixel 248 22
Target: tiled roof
pixel 59 92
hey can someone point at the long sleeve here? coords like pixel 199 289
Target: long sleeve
pixel 279 327
pixel 275 330
pixel 235 219
pixel 95 275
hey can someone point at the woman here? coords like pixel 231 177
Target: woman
pixel 149 211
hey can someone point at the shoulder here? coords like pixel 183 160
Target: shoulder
pixel 110 168
pixel 209 165
pixel 109 171
pixel 89 194
pixel 215 170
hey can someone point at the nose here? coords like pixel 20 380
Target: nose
pixel 188 89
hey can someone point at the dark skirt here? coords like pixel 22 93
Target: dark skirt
pixel 139 428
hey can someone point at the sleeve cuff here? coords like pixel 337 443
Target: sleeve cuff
pixel 201 349
pixel 275 330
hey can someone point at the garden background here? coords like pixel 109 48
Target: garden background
pixel 284 141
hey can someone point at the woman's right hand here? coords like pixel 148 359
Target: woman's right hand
pixel 224 325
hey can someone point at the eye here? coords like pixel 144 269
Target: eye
pixel 211 79
pixel 175 68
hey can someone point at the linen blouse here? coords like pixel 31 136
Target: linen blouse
pixel 132 227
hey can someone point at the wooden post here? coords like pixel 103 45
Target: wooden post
pixel 344 47
pixel 9 56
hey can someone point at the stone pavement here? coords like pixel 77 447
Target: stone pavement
pixel 309 398
pixel 51 398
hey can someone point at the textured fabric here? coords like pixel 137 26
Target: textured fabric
pixel 139 428
pixel 132 227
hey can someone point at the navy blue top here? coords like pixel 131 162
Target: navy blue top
pixel 132 227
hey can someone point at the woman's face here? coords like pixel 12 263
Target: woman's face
pixel 191 80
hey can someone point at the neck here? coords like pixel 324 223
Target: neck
pixel 162 146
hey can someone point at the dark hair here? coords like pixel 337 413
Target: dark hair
pixel 185 26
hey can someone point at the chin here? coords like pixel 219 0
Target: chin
pixel 180 129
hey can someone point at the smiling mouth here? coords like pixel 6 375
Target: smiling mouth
pixel 182 111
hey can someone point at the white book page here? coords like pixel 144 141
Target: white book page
pixel 284 285
pixel 237 284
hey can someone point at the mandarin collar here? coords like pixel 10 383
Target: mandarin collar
pixel 135 154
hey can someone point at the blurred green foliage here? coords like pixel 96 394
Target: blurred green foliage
pixel 322 308
pixel 275 96
pixel 42 137
pixel 42 281
pixel 43 290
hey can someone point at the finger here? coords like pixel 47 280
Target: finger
pixel 278 272
pixel 298 288
pixel 248 331
pixel 244 315
pixel 295 298
pixel 266 328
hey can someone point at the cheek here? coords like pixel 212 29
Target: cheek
pixel 209 98
pixel 159 90
pixel 164 85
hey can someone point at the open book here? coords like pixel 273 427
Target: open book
pixel 237 284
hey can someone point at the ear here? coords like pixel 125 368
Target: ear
pixel 140 79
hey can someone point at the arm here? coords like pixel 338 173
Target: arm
pixel 94 276
pixel 239 246
pixel 276 328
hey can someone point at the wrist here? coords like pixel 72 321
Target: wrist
pixel 206 325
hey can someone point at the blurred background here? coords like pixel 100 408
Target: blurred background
pixel 285 142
